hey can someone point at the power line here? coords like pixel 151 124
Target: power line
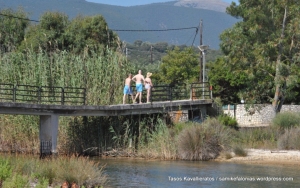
pixel 18 17
pixel 122 30
pixel 195 35
pixel 150 30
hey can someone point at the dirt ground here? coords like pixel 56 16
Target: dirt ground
pixel 260 156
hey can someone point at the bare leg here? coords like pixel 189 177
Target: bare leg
pixel 136 96
pixel 132 98
pixel 140 97
pixel 124 98
pixel 148 95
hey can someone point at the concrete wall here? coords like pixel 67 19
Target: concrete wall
pixel 260 115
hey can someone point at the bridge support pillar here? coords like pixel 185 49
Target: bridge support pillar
pixel 48 134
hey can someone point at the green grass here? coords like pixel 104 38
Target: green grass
pixel 23 170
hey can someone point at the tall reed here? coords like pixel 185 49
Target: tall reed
pixel 158 143
pixel 102 74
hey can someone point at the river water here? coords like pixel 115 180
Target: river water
pixel 155 173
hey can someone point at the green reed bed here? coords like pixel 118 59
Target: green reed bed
pixel 28 171
pixel 157 143
pixel 102 74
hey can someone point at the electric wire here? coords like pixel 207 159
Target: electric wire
pixel 124 30
pixel 151 30
pixel 18 17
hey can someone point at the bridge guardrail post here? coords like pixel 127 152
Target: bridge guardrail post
pixel 191 92
pixel 39 94
pixel 14 93
pixel 170 89
pixel 62 96
pixel 84 96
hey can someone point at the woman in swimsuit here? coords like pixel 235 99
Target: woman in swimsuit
pixel 148 85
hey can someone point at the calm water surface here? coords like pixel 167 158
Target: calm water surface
pixel 154 173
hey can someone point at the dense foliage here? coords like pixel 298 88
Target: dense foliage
pixel 179 66
pixel 56 32
pixel 12 31
pixel 261 52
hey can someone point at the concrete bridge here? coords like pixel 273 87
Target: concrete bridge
pixel 24 100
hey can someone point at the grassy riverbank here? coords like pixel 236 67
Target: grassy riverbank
pixel 211 140
pixel 29 171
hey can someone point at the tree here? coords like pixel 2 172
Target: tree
pixel 90 32
pixel 179 66
pixel 265 47
pixel 12 29
pixel 224 82
pixel 48 35
pixel 56 32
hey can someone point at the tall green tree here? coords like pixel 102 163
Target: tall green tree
pixel 55 32
pixel 179 66
pixel 265 47
pixel 90 32
pixel 12 29
pixel 48 34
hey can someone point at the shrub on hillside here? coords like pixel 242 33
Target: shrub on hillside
pixel 286 120
pixel 290 140
pixel 202 141
pixel 228 121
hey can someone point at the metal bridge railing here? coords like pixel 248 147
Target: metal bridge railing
pixel 200 91
pixel 42 94
pixel 182 91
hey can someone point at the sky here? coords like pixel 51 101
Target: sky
pixel 137 2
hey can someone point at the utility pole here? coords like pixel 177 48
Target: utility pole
pixel 201 56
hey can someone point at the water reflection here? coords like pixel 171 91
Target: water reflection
pixel 153 173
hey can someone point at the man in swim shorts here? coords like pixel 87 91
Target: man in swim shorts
pixel 139 86
pixel 127 89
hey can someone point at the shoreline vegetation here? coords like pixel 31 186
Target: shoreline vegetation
pixel 215 139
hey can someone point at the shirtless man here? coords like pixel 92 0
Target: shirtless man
pixel 127 88
pixel 139 86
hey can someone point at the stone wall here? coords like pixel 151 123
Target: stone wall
pixel 186 115
pixel 179 116
pixel 260 115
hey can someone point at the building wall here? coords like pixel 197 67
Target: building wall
pixel 260 115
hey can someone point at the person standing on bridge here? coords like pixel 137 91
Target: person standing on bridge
pixel 148 86
pixel 139 86
pixel 127 88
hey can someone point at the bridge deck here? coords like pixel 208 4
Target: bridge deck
pixel 104 110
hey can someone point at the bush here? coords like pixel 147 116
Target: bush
pixel 158 144
pixel 286 120
pixel 5 170
pixel 16 181
pixel 290 139
pixel 258 137
pixel 228 121
pixel 202 141
pixel 239 151
pixel 54 171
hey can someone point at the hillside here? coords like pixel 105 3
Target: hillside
pixel 155 16
pixel 216 5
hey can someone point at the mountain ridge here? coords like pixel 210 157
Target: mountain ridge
pixel 143 17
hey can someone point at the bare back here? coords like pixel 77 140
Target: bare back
pixel 138 78
pixel 128 81
pixel 148 81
